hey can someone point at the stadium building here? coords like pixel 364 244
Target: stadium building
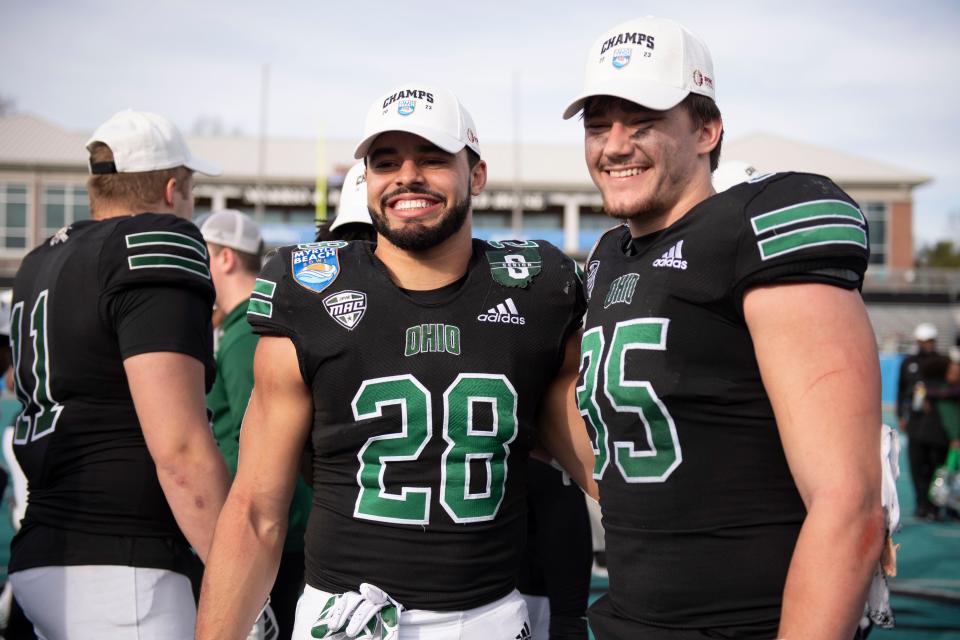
pixel 541 190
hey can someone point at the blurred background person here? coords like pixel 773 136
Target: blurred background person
pixel 927 440
pixel 236 250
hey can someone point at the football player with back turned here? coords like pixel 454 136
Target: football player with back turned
pixel 729 372
pixel 113 352
pixel 417 366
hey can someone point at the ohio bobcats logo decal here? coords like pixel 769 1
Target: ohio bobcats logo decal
pixel 346 307
pixel 514 263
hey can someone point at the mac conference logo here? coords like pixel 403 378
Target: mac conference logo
pixel 406 107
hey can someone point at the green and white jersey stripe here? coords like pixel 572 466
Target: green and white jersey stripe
pixel 846 226
pixel 259 307
pixel 168 238
pixel 264 288
pixel 168 261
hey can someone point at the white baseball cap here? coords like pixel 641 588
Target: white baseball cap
pixel 143 141
pixel 925 331
pixel 431 113
pixel 234 229
pixel 732 173
pixel 353 198
pixel 653 62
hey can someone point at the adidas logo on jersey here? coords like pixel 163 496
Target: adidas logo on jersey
pixel 525 633
pixel 504 313
pixel 672 258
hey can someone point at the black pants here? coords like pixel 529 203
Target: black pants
pixel 924 458
pixel 286 591
pixel 559 550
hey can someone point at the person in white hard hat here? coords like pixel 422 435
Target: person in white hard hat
pixel 927 440
pixel 730 377
pixel 418 367
pixel 111 326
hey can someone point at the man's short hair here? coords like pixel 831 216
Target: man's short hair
pixel 135 191
pixel 249 262
pixel 702 110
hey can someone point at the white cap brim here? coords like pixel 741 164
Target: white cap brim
pixel 651 95
pixel 445 141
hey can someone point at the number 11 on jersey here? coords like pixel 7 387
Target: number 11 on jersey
pixel 40 410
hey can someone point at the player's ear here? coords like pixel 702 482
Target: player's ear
pixel 168 190
pixel 709 136
pixel 478 178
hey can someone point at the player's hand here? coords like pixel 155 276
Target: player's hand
pixel 368 615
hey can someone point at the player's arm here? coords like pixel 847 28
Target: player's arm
pixel 817 356
pixel 167 390
pixel 249 538
pixel 562 431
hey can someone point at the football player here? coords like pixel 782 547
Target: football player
pixel 417 366
pixel 729 372
pixel 112 348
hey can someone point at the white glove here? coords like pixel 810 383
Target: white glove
pixel 368 615
pixel 265 628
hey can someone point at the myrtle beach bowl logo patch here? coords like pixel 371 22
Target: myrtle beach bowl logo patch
pixel 406 107
pixel 621 57
pixel 346 307
pixel 315 268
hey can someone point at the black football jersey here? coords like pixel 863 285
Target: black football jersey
pixel 89 297
pixel 700 511
pixel 424 407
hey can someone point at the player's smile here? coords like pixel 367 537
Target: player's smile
pixel 412 205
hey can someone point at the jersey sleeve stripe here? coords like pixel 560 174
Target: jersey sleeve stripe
pixel 811 237
pixel 168 261
pixel 149 238
pixel 260 308
pixel 264 288
pixel 806 211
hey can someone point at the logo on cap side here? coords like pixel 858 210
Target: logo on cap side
pixel 700 79
pixel 472 137
pixel 621 57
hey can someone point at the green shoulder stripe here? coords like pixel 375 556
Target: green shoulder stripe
pixel 811 237
pixel 258 307
pixel 170 238
pixel 168 261
pixel 264 288
pixel 815 210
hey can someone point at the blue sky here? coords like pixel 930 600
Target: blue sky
pixel 879 79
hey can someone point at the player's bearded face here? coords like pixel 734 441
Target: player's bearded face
pixel 414 234
pixel 418 195
pixel 641 160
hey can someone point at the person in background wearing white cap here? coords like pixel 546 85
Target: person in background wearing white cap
pixel 417 367
pixel 730 373
pixel 113 353
pixel 928 442
pixel 236 248
pixel 353 218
